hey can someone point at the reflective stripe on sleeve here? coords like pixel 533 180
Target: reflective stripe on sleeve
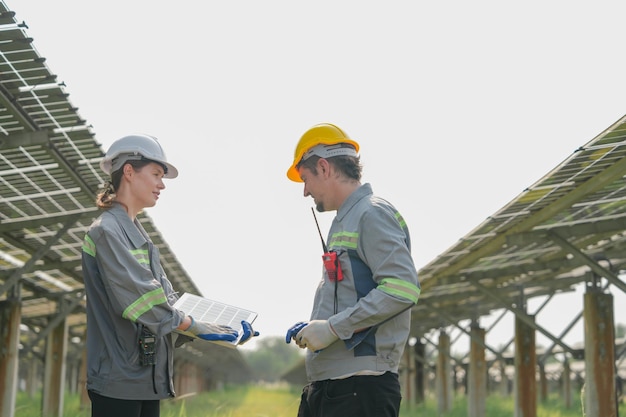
pixel 89 247
pixel 400 220
pixel 144 303
pixel 400 289
pixel 142 256
pixel 344 240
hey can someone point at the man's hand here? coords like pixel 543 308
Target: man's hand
pixel 248 332
pixel 316 335
pixel 293 331
pixel 212 331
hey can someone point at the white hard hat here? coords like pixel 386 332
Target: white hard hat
pixel 134 148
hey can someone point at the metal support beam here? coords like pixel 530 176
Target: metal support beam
pixel 569 327
pixel 521 314
pixel 12 225
pixel 56 321
pixel 583 227
pixel 16 140
pixel 30 264
pixel 436 346
pixel 70 170
pixel 612 173
pixel 480 341
pixel 595 266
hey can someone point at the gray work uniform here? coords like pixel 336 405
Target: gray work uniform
pixel 126 288
pixel 379 286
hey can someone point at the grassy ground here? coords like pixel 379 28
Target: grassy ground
pixel 257 401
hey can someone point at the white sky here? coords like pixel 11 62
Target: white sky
pixel 458 106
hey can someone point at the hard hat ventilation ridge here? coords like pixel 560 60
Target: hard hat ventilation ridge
pixel 328 151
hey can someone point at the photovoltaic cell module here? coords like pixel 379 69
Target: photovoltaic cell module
pixel 204 309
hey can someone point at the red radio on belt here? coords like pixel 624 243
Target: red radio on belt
pixel 331 262
pixel 332 266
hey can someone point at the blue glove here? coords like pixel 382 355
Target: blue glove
pixel 294 330
pixel 212 331
pixel 248 332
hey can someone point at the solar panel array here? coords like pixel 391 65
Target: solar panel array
pixel 566 229
pixel 49 177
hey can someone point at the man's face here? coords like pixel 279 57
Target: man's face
pixel 314 186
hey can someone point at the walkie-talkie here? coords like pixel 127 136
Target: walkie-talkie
pixel 331 263
pixel 147 347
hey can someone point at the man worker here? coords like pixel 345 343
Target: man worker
pixel 361 315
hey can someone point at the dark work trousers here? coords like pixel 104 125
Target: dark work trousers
pixel 113 407
pixel 357 396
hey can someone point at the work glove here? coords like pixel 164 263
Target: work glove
pixel 316 335
pixel 293 331
pixel 181 339
pixel 248 332
pixel 212 331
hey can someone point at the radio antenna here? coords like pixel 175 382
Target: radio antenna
pixel 319 231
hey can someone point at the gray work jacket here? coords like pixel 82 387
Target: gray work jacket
pixel 126 288
pixel 373 300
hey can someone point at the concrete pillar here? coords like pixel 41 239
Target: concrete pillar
pixel 420 372
pixel 85 402
pixel 10 317
pixel 543 383
pixel 444 375
pixel 567 384
pixel 54 371
pixel 477 374
pixel 525 370
pixel 599 397
pixel 504 379
pixel 32 376
pixel 407 375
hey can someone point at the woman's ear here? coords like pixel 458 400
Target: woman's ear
pixel 128 169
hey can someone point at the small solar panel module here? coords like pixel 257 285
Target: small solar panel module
pixel 204 309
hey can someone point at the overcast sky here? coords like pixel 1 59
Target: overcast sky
pixel 458 106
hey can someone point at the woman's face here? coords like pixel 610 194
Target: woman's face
pixel 146 184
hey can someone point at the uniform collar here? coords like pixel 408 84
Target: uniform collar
pixel 133 229
pixel 363 191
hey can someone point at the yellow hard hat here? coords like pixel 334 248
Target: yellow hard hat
pixel 320 134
